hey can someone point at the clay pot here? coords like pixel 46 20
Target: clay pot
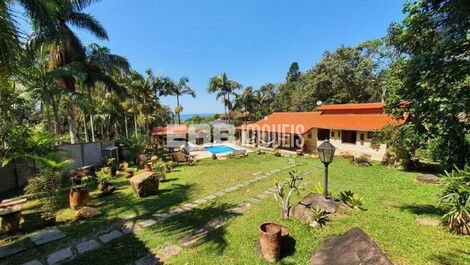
pixel 270 241
pixel 148 167
pixel 78 198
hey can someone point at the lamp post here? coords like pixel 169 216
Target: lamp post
pixel 326 151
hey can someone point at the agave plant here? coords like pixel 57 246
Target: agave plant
pixel 319 217
pixel 456 200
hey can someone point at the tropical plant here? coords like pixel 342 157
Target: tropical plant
pixel 104 175
pixel 285 190
pixel 134 145
pixel 456 200
pixel 160 168
pixel 48 182
pixel 352 200
pixel 319 217
pixel 224 88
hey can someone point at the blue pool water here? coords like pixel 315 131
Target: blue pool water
pixel 217 149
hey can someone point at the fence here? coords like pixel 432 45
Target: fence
pixel 16 173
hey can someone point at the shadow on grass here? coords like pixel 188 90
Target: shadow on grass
pixel 199 224
pixel 457 256
pixel 423 209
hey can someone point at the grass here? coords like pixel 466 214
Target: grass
pixel 393 201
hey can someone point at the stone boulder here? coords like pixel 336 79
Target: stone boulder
pixel 87 212
pixel 145 184
pixel 428 178
pixel 302 210
pixel 354 247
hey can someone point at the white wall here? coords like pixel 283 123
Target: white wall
pixel 358 148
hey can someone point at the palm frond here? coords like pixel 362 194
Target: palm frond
pixel 88 22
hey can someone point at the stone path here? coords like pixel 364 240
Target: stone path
pixel 201 233
pixel 132 225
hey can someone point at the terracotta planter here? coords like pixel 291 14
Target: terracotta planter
pixel 270 241
pixel 78 198
pixel 148 167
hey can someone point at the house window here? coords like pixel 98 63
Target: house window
pixel 309 134
pixel 332 133
pixel 323 134
pixel 349 137
pixel 362 138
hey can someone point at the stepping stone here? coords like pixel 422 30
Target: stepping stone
pixel 429 221
pixel 210 197
pixel 87 246
pixel 428 178
pixel 199 202
pixel 253 200
pixel 59 256
pixel 47 235
pixel 176 211
pixel 150 259
pixel 130 227
pixel 146 223
pixel 220 193
pixel 33 262
pixel 105 238
pixel 238 210
pixel 216 223
pixel 11 249
pixel 161 217
pixel 169 251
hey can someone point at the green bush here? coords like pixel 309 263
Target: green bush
pixel 352 200
pixel 319 217
pixel 456 200
pixel 134 145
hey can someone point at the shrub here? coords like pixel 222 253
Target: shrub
pixel 319 217
pixel 352 200
pixel 104 175
pixel 285 190
pixel 134 146
pixel 160 168
pixel 362 160
pixel 46 185
pixel 456 200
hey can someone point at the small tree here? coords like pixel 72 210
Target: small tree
pixel 284 192
pixel 456 200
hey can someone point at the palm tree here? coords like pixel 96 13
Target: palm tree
pixel 10 45
pixel 65 48
pixel 170 88
pixel 101 66
pixel 224 88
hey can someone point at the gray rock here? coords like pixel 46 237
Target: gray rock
pixel 319 201
pixel 169 251
pixel 150 259
pixel 33 262
pixel 47 235
pixel 59 256
pixel 87 246
pixel 8 250
pixel 428 178
pixel 105 238
pixel 354 247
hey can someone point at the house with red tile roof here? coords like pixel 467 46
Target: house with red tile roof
pixel 349 127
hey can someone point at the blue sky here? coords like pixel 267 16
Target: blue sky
pixel 254 41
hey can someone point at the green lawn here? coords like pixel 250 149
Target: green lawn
pixel 392 198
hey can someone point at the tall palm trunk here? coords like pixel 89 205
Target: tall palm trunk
pixel 225 106
pixel 92 127
pixel 177 105
pixel 85 128
pixel 125 125
pixel 135 124
pixel 228 107
pixel 72 120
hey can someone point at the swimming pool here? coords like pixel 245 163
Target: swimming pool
pixel 218 149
